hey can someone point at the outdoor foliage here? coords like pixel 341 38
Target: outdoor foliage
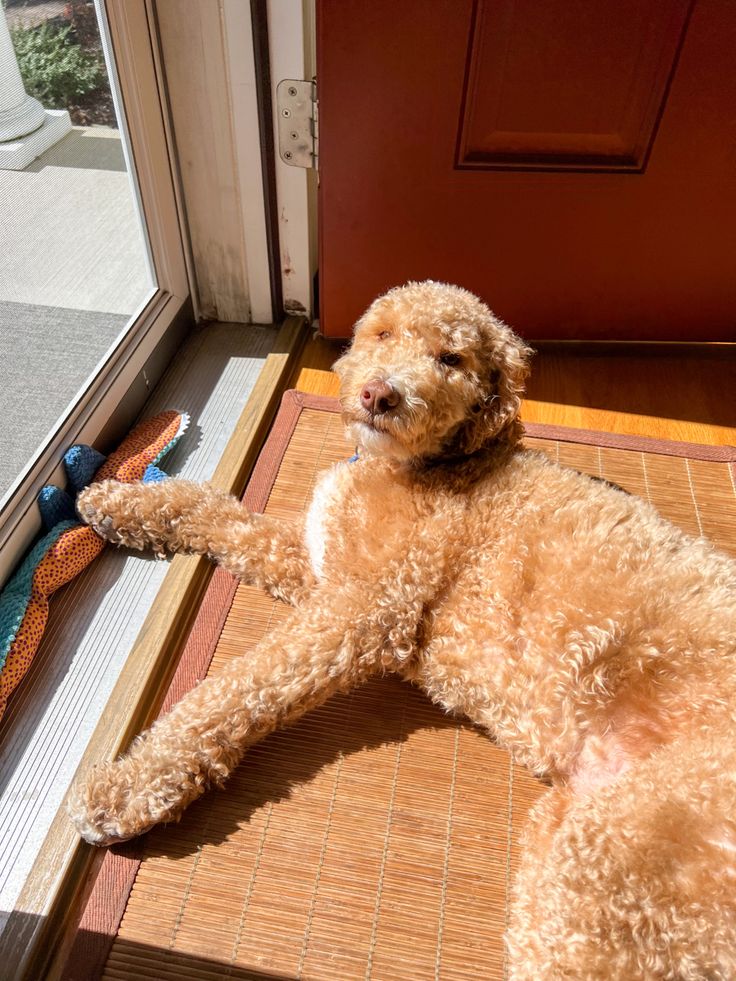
pixel 55 68
pixel 83 18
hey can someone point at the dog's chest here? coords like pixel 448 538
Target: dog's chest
pixel 323 508
pixel 358 520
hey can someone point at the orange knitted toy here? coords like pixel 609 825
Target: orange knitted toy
pixel 69 547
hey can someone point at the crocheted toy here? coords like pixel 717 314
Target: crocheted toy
pixel 69 546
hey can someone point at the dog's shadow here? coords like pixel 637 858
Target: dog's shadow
pixel 384 712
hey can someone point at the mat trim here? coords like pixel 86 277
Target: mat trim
pixel 639 444
pixel 100 920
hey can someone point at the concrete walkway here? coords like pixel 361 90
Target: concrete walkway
pixel 69 231
pixel 73 269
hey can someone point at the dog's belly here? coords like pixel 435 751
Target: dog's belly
pixel 602 760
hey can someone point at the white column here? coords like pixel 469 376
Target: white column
pixel 20 114
pixel 26 128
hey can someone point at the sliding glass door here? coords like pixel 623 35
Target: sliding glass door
pixel 92 273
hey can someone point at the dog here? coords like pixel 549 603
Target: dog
pixel 588 635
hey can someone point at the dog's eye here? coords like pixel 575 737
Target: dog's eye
pixel 384 334
pixel 449 359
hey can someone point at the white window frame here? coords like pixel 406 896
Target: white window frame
pixel 128 28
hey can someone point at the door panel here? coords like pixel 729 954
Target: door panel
pixel 572 162
pixel 525 104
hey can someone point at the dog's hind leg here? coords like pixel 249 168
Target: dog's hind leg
pixel 183 516
pixel 636 879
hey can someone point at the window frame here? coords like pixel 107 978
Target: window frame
pixel 129 31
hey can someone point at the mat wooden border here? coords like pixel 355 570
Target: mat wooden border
pixel 100 919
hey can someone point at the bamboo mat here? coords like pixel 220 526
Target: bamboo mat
pixel 377 838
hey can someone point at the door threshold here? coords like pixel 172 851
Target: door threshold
pixel 114 636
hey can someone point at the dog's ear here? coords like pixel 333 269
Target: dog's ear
pixel 493 417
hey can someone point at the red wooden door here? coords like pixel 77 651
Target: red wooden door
pixel 571 161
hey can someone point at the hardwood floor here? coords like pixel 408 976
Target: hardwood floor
pixel 686 393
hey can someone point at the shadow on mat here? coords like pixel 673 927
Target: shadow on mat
pixel 384 711
pixel 88 959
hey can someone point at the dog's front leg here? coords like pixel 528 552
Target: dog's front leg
pixel 335 640
pixel 183 516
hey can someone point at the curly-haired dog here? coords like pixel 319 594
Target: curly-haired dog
pixel 588 635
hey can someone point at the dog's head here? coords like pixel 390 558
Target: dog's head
pixel 431 372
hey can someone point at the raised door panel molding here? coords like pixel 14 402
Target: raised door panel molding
pixel 567 84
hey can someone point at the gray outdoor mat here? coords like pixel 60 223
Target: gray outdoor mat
pixel 46 354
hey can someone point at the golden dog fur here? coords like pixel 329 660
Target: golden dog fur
pixel 588 635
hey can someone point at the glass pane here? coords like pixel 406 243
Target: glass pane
pixel 74 262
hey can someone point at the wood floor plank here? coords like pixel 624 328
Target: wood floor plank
pixel 666 392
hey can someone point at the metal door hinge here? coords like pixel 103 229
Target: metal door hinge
pixel 298 122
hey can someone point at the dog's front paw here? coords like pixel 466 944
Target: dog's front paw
pixel 124 514
pixel 92 509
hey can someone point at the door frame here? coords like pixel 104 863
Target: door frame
pixel 292 54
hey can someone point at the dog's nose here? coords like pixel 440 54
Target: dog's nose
pixel 378 396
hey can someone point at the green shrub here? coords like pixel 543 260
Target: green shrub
pixel 55 69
